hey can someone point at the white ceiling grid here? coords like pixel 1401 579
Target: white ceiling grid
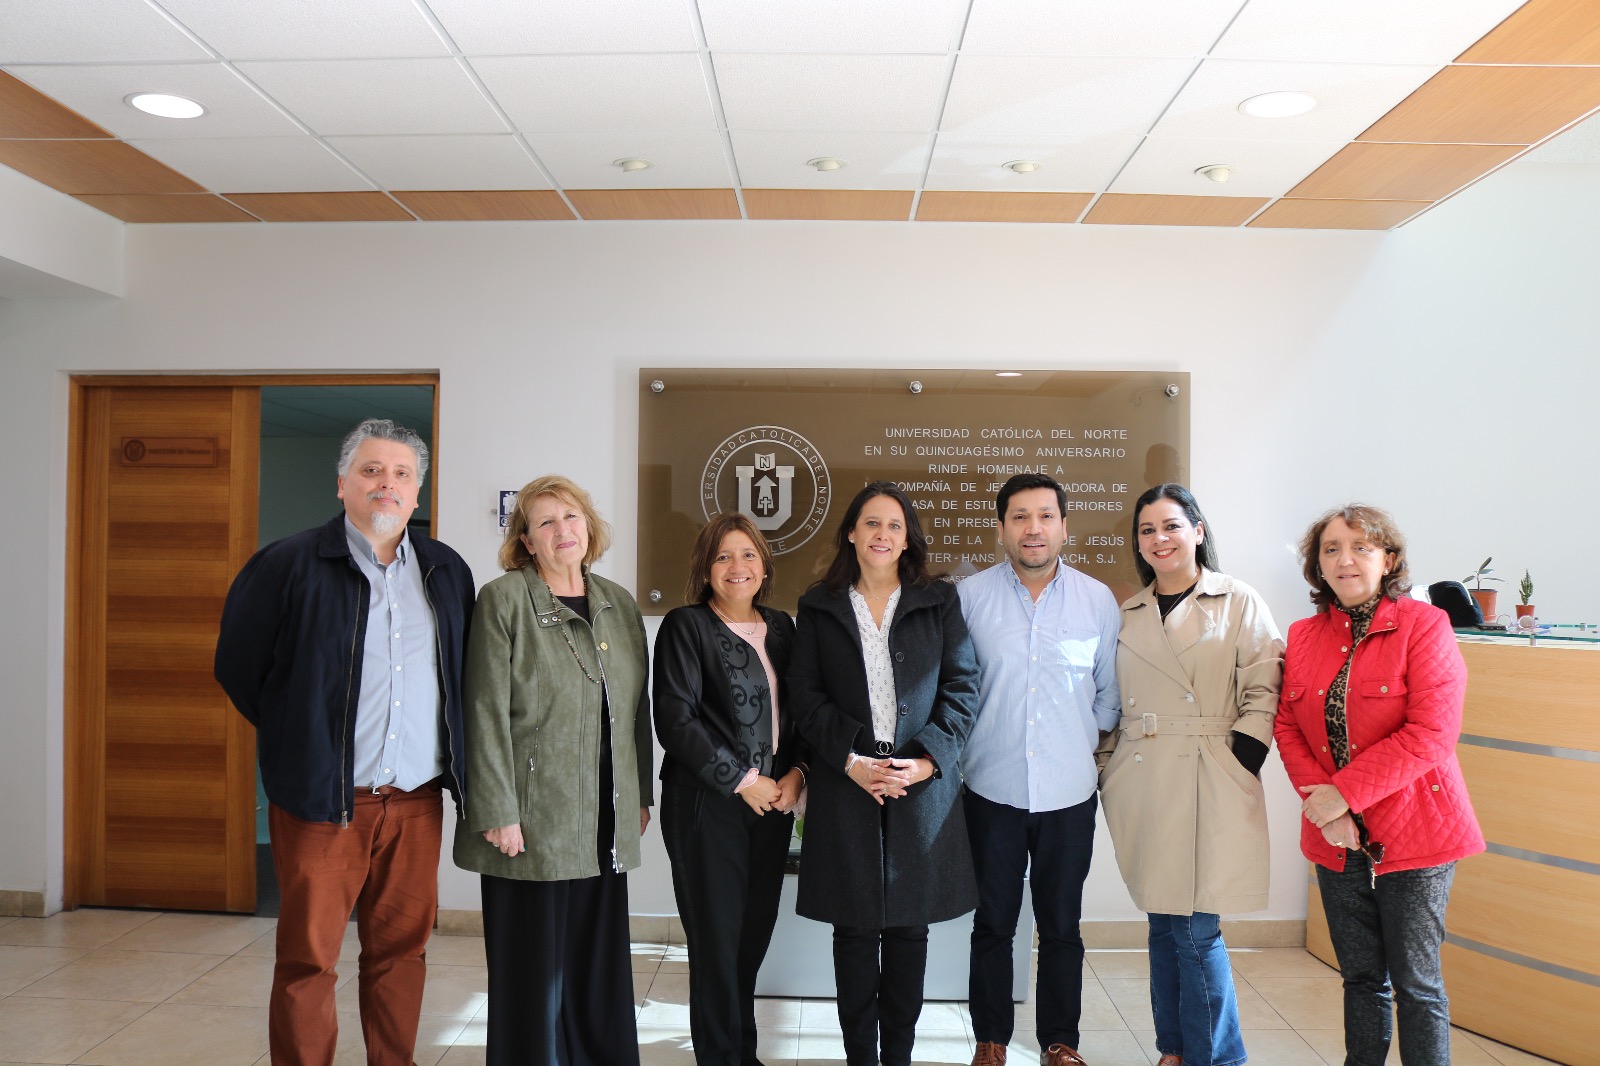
pixel 344 95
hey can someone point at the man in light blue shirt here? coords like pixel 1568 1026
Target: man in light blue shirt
pixel 1046 638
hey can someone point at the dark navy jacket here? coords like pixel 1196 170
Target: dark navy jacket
pixel 289 657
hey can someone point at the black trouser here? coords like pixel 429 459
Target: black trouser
pixel 1060 843
pixel 560 972
pixel 1383 932
pixel 727 874
pixel 878 974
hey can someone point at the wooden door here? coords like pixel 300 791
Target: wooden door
pixel 161 769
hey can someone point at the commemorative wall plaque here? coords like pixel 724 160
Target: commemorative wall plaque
pixel 791 448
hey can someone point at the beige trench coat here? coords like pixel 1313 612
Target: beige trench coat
pixel 1189 823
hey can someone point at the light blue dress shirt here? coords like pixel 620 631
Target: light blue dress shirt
pixel 397 718
pixel 1048 686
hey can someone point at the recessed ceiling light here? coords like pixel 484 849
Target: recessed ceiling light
pixel 1217 172
pixel 1008 373
pixel 630 165
pixel 1278 105
pixel 164 105
pixel 826 163
pixel 1023 166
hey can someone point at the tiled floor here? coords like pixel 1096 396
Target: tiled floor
pixel 139 988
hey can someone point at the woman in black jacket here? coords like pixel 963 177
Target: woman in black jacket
pixel 885 688
pixel 732 775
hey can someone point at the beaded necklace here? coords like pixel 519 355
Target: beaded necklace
pixel 573 648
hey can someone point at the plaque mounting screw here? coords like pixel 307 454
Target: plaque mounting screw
pixel 1172 390
pixel 658 386
pixel 915 387
pixel 655 595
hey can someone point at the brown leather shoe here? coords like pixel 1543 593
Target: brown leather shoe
pixel 1171 1060
pixel 989 1054
pixel 1061 1055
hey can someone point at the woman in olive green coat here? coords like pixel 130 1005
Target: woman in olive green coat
pixel 559 759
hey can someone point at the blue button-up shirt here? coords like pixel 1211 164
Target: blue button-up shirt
pixel 397 719
pixel 1048 686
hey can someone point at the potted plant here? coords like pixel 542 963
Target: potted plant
pixel 1487 599
pixel 1525 609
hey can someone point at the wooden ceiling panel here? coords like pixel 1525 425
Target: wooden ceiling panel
pixel 321 206
pixel 27 112
pixel 1128 209
pixel 1542 31
pixel 937 206
pixel 531 205
pixel 858 205
pixel 92 167
pixel 612 204
pixel 1374 171
pixel 1491 105
pixel 1338 214
pixel 202 207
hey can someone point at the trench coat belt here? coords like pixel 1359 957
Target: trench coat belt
pixel 1149 725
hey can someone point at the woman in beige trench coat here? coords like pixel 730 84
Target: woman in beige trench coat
pixel 1199 663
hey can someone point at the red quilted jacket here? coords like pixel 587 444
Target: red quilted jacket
pixel 1403 706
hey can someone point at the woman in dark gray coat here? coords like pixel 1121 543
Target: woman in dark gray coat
pixel 884 684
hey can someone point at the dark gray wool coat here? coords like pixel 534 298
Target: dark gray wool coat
pixel 907 862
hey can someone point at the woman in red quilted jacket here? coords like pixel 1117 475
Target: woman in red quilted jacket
pixel 1367 726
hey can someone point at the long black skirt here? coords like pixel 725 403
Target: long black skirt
pixel 560 972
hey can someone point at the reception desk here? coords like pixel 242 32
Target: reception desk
pixel 1522 936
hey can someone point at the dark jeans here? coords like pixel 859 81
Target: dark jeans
pixel 878 974
pixel 727 874
pixel 1390 932
pixel 1060 843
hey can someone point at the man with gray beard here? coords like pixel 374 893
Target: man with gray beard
pixel 343 646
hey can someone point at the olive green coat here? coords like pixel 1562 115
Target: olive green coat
pixel 1188 821
pixel 532 721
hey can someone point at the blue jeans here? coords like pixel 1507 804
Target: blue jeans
pixel 1191 990
pixel 1387 932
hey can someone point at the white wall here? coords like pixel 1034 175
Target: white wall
pixel 1325 366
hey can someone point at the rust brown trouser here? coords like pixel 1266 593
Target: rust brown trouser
pixel 385 866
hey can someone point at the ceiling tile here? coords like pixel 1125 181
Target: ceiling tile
pixel 1491 105
pixel 607 204
pixel 310 29
pixel 855 205
pixel 1096 27
pixel 872 160
pixel 92 167
pixel 681 160
pixel 1350 97
pixel 1069 164
pixel 537 205
pixel 763 91
pixel 1167 165
pixel 1118 210
pixel 322 207
pixel 1542 31
pixel 257 164
pixel 832 25
pixel 92 31
pixel 1580 144
pixel 27 112
pixel 610 92
pixel 396 96
pixel 511 27
pixel 1001 206
pixel 233 108
pixel 201 207
pixel 1049 94
pixel 477 161
pixel 1374 171
pixel 1360 31
pixel 1338 214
